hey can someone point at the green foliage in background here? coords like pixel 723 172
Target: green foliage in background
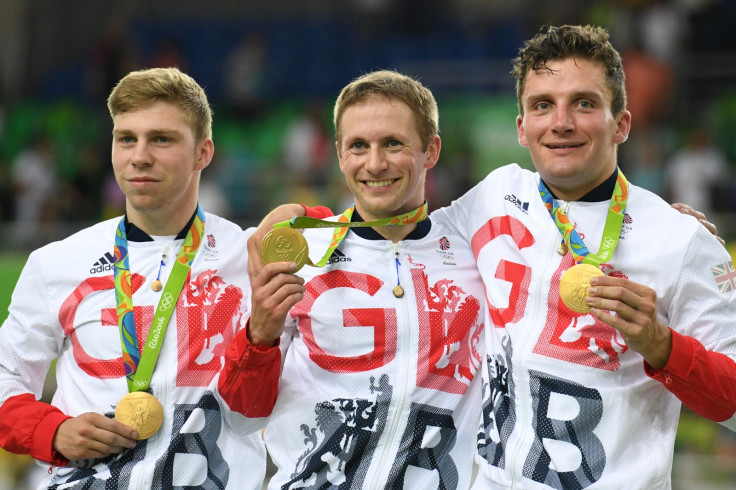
pixel 10 266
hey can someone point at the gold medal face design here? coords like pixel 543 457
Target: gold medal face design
pixel 157 285
pixel 284 245
pixel 574 286
pixel 398 291
pixel 141 411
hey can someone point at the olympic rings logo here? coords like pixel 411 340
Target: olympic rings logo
pixel 166 301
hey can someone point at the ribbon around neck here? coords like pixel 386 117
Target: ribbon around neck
pixel 139 365
pixel 343 223
pixel 611 229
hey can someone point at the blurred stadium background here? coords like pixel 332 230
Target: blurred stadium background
pixel 272 71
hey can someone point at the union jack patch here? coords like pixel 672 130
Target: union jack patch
pixel 725 276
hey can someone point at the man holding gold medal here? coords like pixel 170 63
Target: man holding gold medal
pixel 607 308
pixel 380 356
pixel 137 310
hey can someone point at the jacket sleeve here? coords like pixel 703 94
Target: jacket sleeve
pixel 249 379
pixel 705 381
pixel 28 426
pixel 701 369
pixel 30 339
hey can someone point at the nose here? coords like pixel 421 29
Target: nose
pixel 562 121
pixel 141 155
pixel 376 161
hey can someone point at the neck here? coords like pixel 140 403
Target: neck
pixel 394 233
pixel 158 225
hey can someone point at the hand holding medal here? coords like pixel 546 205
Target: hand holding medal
pixel 284 243
pixel 575 282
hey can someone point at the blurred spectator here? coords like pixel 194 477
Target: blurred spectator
pixel 115 55
pixel 113 200
pixel 695 170
pixel 649 85
pixel 34 179
pixel 168 54
pixel 7 204
pixel 663 28
pixel 308 145
pixel 246 75
pixel 645 162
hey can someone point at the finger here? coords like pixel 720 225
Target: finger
pixel 683 208
pixel 254 255
pixel 711 227
pixel 123 434
pixel 276 274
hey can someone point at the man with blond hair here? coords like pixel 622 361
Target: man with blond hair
pixel 137 311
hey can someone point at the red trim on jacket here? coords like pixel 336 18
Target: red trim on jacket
pixel 249 380
pixel 28 426
pixel 705 381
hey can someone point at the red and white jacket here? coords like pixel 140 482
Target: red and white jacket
pixel 566 403
pixel 63 307
pixel 377 391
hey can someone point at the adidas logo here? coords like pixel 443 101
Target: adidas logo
pixel 523 206
pixel 104 263
pixel 338 256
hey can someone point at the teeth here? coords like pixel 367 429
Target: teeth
pixel 378 183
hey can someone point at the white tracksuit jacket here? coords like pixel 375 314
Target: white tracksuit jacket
pixel 379 391
pixel 566 403
pixel 64 307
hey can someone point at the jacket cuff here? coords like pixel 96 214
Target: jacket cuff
pixel 43 438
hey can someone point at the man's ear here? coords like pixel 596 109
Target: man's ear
pixel 205 150
pixel 433 151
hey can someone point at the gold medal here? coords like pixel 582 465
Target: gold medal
pixel 574 286
pixel 562 248
pixel 284 245
pixel 141 411
pixel 157 285
pixel 398 291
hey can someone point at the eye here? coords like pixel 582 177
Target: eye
pixel 586 104
pixel 394 144
pixel 162 139
pixel 126 140
pixel 357 146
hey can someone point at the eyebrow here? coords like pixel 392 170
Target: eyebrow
pixel 582 94
pixel 149 132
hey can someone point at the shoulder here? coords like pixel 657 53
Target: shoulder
pixel 658 221
pixel 509 173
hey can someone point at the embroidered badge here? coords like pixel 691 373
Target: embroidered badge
pixel 725 276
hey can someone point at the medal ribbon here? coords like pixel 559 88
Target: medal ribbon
pixel 343 223
pixel 139 365
pixel 611 230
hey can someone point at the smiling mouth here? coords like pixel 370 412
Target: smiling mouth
pixel 379 183
pixel 560 147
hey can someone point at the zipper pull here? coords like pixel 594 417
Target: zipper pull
pixel 398 290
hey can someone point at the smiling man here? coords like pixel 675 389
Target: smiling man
pixel 379 385
pixel 607 309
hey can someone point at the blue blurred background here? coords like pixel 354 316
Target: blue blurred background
pixel 272 71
